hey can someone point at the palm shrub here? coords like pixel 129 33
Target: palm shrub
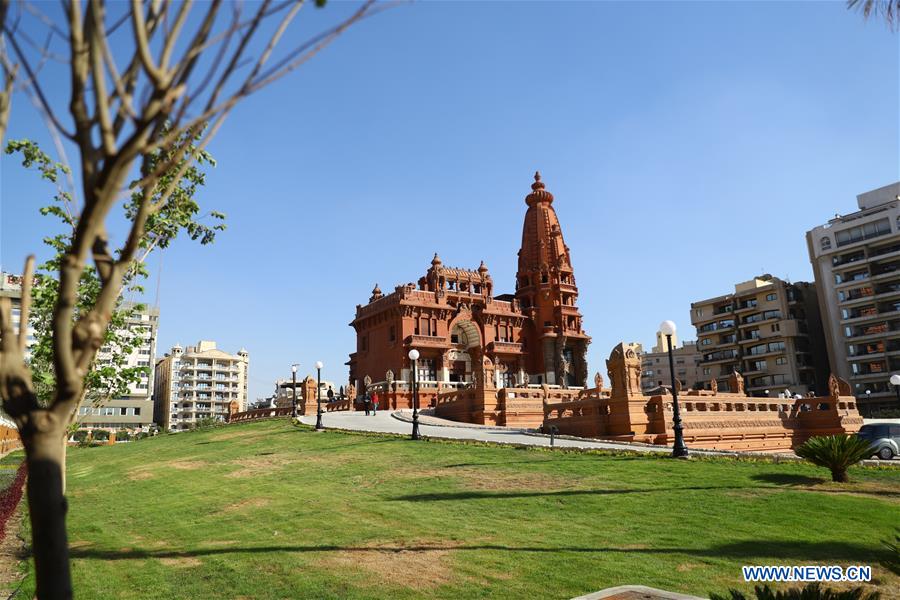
pixel 835 452
pixel 813 591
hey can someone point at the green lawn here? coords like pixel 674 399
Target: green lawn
pixel 266 510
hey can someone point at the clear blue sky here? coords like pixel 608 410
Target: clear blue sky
pixel 689 146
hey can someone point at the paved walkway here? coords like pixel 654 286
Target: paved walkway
pixel 388 422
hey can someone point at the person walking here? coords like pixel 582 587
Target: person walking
pixel 366 402
pixel 374 403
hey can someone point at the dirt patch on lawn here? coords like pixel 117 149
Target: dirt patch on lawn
pixel 12 551
pixel 140 474
pixel 493 480
pixel 262 465
pixel 389 563
pixel 183 562
pixel 187 465
pixel 246 504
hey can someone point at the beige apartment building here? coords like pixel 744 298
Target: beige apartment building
pixel 856 264
pixel 769 330
pixel 655 366
pixel 198 382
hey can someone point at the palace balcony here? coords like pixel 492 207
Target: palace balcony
pixel 427 341
pixel 505 348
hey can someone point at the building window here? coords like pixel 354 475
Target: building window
pixel 825 243
pixel 706 370
pixel 776 327
pixel 770 297
pixel 863 232
pixel 781 360
pixel 426 370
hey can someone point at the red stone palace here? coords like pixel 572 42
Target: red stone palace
pixel 457 323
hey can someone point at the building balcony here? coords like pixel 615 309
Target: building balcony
pixel 427 341
pixel 498 347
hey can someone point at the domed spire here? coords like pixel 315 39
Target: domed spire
pixel 436 261
pixel 376 294
pixel 538 192
pixel 483 268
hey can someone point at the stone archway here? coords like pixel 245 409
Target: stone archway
pixel 465 352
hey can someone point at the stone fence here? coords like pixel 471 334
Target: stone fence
pixel 720 421
pixel 260 413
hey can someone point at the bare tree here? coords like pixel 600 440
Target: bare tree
pixel 179 75
pixel 887 9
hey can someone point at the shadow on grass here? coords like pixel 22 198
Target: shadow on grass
pixel 482 495
pixel 743 550
pixel 787 479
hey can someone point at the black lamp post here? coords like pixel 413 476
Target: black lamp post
pixel 414 356
pixel 319 395
pixel 679 450
pixel 294 386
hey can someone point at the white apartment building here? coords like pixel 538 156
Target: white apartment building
pixel 198 382
pixel 856 263
pixel 134 410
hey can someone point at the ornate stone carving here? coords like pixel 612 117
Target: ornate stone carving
pixel 367 381
pixel 624 369
pixel 389 377
pixel 736 383
pixel 714 386
pixel 678 385
pixel 598 380
pixel 844 387
pixel 834 387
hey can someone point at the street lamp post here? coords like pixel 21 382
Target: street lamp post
pixel 414 356
pixel 319 395
pixel 679 450
pixel 294 386
pixel 895 381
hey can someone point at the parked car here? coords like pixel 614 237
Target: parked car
pixel 884 437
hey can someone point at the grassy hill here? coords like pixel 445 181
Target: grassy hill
pixel 266 510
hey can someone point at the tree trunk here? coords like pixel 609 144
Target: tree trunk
pixel 47 506
pixel 839 475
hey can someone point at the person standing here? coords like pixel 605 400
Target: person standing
pixel 374 403
pixel 366 402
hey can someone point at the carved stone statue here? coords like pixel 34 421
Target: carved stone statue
pixel 351 391
pixel 714 386
pixel 367 381
pixel 598 381
pixel 624 369
pixel 736 382
pixel 389 377
pixel 834 389
pixel 565 367
pixel 678 385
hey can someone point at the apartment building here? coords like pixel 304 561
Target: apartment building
pixel 134 409
pixel 655 366
pixel 198 382
pixel 856 264
pixel 11 287
pixel 769 330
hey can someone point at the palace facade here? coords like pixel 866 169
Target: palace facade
pixel 458 324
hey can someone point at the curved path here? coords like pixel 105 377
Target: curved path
pixel 397 422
